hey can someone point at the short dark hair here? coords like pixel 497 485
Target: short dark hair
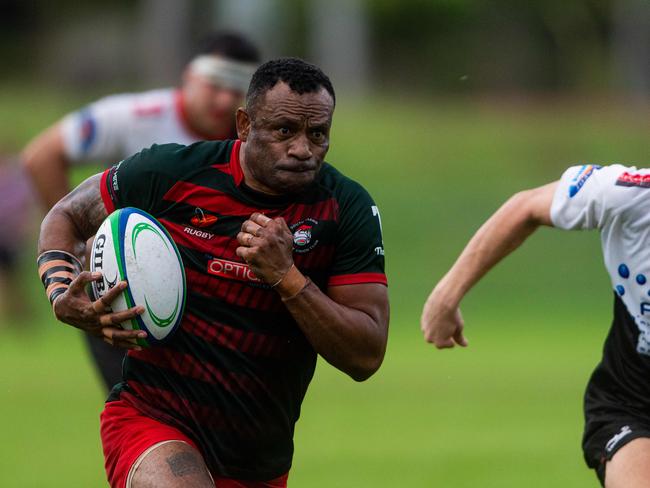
pixel 302 77
pixel 231 45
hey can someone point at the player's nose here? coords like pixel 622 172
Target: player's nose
pixel 299 148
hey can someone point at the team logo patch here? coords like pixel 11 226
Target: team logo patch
pixel 202 219
pixel 633 179
pixel 579 179
pixel 303 235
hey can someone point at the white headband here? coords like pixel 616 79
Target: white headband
pixel 224 72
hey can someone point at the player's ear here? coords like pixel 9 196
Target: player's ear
pixel 243 123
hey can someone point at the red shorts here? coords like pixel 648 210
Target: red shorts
pixel 126 434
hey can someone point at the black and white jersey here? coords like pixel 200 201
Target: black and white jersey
pixel 616 200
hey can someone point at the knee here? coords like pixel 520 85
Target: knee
pixel 173 464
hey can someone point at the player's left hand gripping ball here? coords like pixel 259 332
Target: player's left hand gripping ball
pixel 132 246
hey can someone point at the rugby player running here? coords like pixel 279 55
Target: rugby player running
pixel 290 267
pixel 614 200
pixel 117 126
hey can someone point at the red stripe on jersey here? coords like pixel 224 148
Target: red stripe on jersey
pixel 148 397
pixel 323 210
pixel 188 366
pixel 211 200
pixel 233 292
pixel 103 189
pixel 357 278
pixel 248 342
pixel 318 259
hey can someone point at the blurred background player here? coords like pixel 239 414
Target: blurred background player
pixel 213 87
pixel 614 200
pixel 16 223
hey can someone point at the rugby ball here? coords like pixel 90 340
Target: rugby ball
pixel 132 245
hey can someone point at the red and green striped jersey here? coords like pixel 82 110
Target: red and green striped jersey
pixel 234 375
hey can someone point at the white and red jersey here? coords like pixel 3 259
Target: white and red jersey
pixel 615 200
pixel 118 126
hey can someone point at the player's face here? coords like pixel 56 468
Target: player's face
pixel 286 138
pixel 210 107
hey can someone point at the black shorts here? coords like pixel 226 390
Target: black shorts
pixel 108 360
pixel 611 423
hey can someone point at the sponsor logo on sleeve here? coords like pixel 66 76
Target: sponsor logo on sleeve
pixel 633 179
pixel 581 177
pixel 379 250
pixel 152 110
pixel 114 182
pixel 88 130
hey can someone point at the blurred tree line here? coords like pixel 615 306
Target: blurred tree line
pixel 538 45
pixel 428 45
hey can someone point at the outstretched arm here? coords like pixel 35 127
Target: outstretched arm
pixel 501 234
pixel 61 245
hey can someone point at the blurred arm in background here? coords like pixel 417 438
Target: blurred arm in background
pixel 213 86
pixel 45 161
pixel 508 228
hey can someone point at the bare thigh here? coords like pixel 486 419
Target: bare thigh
pixel 174 464
pixel 630 466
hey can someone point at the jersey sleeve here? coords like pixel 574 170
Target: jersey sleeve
pixel 359 255
pixel 143 179
pixel 588 197
pixel 97 131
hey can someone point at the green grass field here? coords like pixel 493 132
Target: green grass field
pixel 506 412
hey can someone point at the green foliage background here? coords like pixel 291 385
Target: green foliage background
pixel 506 412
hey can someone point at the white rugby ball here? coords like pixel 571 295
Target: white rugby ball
pixel 132 245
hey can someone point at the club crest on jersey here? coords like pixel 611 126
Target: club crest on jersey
pixel 579 179
pixel 202 219
pixel 303 235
